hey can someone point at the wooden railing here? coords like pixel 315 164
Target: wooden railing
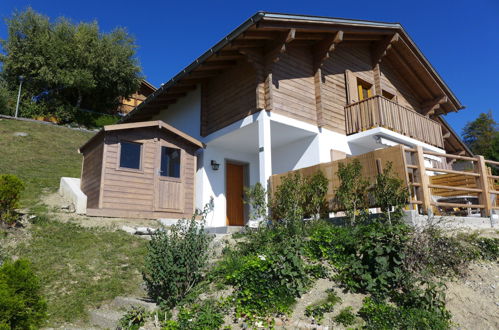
pixel 378 111
pixel 427 184
pixel 479 182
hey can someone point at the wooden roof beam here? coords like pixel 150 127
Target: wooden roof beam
pixel 276 51
pixel 382 48
pixel 259 35
pixel 241 43
pixel 428 108
pixel 324 49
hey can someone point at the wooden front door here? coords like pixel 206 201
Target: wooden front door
pixel 234 194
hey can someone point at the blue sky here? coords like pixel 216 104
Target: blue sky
pixel 460 38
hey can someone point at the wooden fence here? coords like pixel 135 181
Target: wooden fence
pixel 372 162
pixel 378 111
pixel 426 183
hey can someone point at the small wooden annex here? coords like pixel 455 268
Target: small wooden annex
pixel 143 170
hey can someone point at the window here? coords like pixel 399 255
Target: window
pixel 130 155
pixel 170 162
pixel 388 95
pixel 364 89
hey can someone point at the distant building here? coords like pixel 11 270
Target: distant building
pixel 127 105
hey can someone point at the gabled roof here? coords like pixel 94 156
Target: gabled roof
pixel 264 28
pixel 156 123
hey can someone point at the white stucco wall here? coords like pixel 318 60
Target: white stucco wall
pixel 185 115
pixel 295 155
pixel 212 183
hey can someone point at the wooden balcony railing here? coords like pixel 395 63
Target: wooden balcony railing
pixel 378 111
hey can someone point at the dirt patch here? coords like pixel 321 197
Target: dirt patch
pixel 58 207
pixel 474 299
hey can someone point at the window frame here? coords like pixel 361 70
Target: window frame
pixel 361 85
pixel 128 169
pixel 182 160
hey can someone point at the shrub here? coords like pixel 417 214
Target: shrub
pixel 345 317
pixel 382 315
pixel 176 260
pixel 11 188
pixel 269 282
pixel 133 319
pixel 315 189
pixel 288 199
pixel 255 196
pixel 317 310
pixel 377 263
pixel 21 303
pixel 430 252
pixel 389 192
pixel 485 248
pixel 205 315
pixel 351 195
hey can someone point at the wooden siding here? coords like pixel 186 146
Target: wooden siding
pixel 293 90
pixel 392 82
pixel 91 173
pixel 228 97
pixel 125 192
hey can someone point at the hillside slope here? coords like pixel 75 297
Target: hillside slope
pixel 40 158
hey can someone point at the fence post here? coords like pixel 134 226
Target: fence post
pixel 423 180
pixel 484 185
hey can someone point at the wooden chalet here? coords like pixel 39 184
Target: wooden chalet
pixel 283 92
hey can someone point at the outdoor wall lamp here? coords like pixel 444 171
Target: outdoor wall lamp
pixel 215 165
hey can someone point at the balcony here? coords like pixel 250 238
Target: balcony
pixel 378 111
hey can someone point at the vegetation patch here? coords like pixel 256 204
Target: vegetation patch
pixel 316 311
pixel 41 158
pixel 80 267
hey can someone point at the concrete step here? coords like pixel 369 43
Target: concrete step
pixel 127 303
pixel 224 229
pixel 105 318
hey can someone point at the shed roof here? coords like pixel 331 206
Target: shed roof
pixel 155 123
pixel 262 30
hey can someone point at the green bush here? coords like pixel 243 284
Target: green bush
pixel 92 119
pixel 21 303
pixel 382 315
pixel 269 282
pixel 205 315
pixel 133 319
pixel 316 311
pixel 176 260
pixel 11 188
pixel 351 195
pixel 345 317
pixel 432 252
pixel 376 266
pixel 369 258
pixel 486 248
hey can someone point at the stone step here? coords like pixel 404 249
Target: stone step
pixel 224 229
pixel 128 302
pixel 105 318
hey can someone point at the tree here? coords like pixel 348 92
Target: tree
pixel 482 137
pixel 351 195
pixel 67 66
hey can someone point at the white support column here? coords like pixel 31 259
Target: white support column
pixel 264 148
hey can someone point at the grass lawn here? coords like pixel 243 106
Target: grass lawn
pixel 42 157
pixel 81 267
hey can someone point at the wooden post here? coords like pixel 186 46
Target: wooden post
pixel 423 179
pixel 484 185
